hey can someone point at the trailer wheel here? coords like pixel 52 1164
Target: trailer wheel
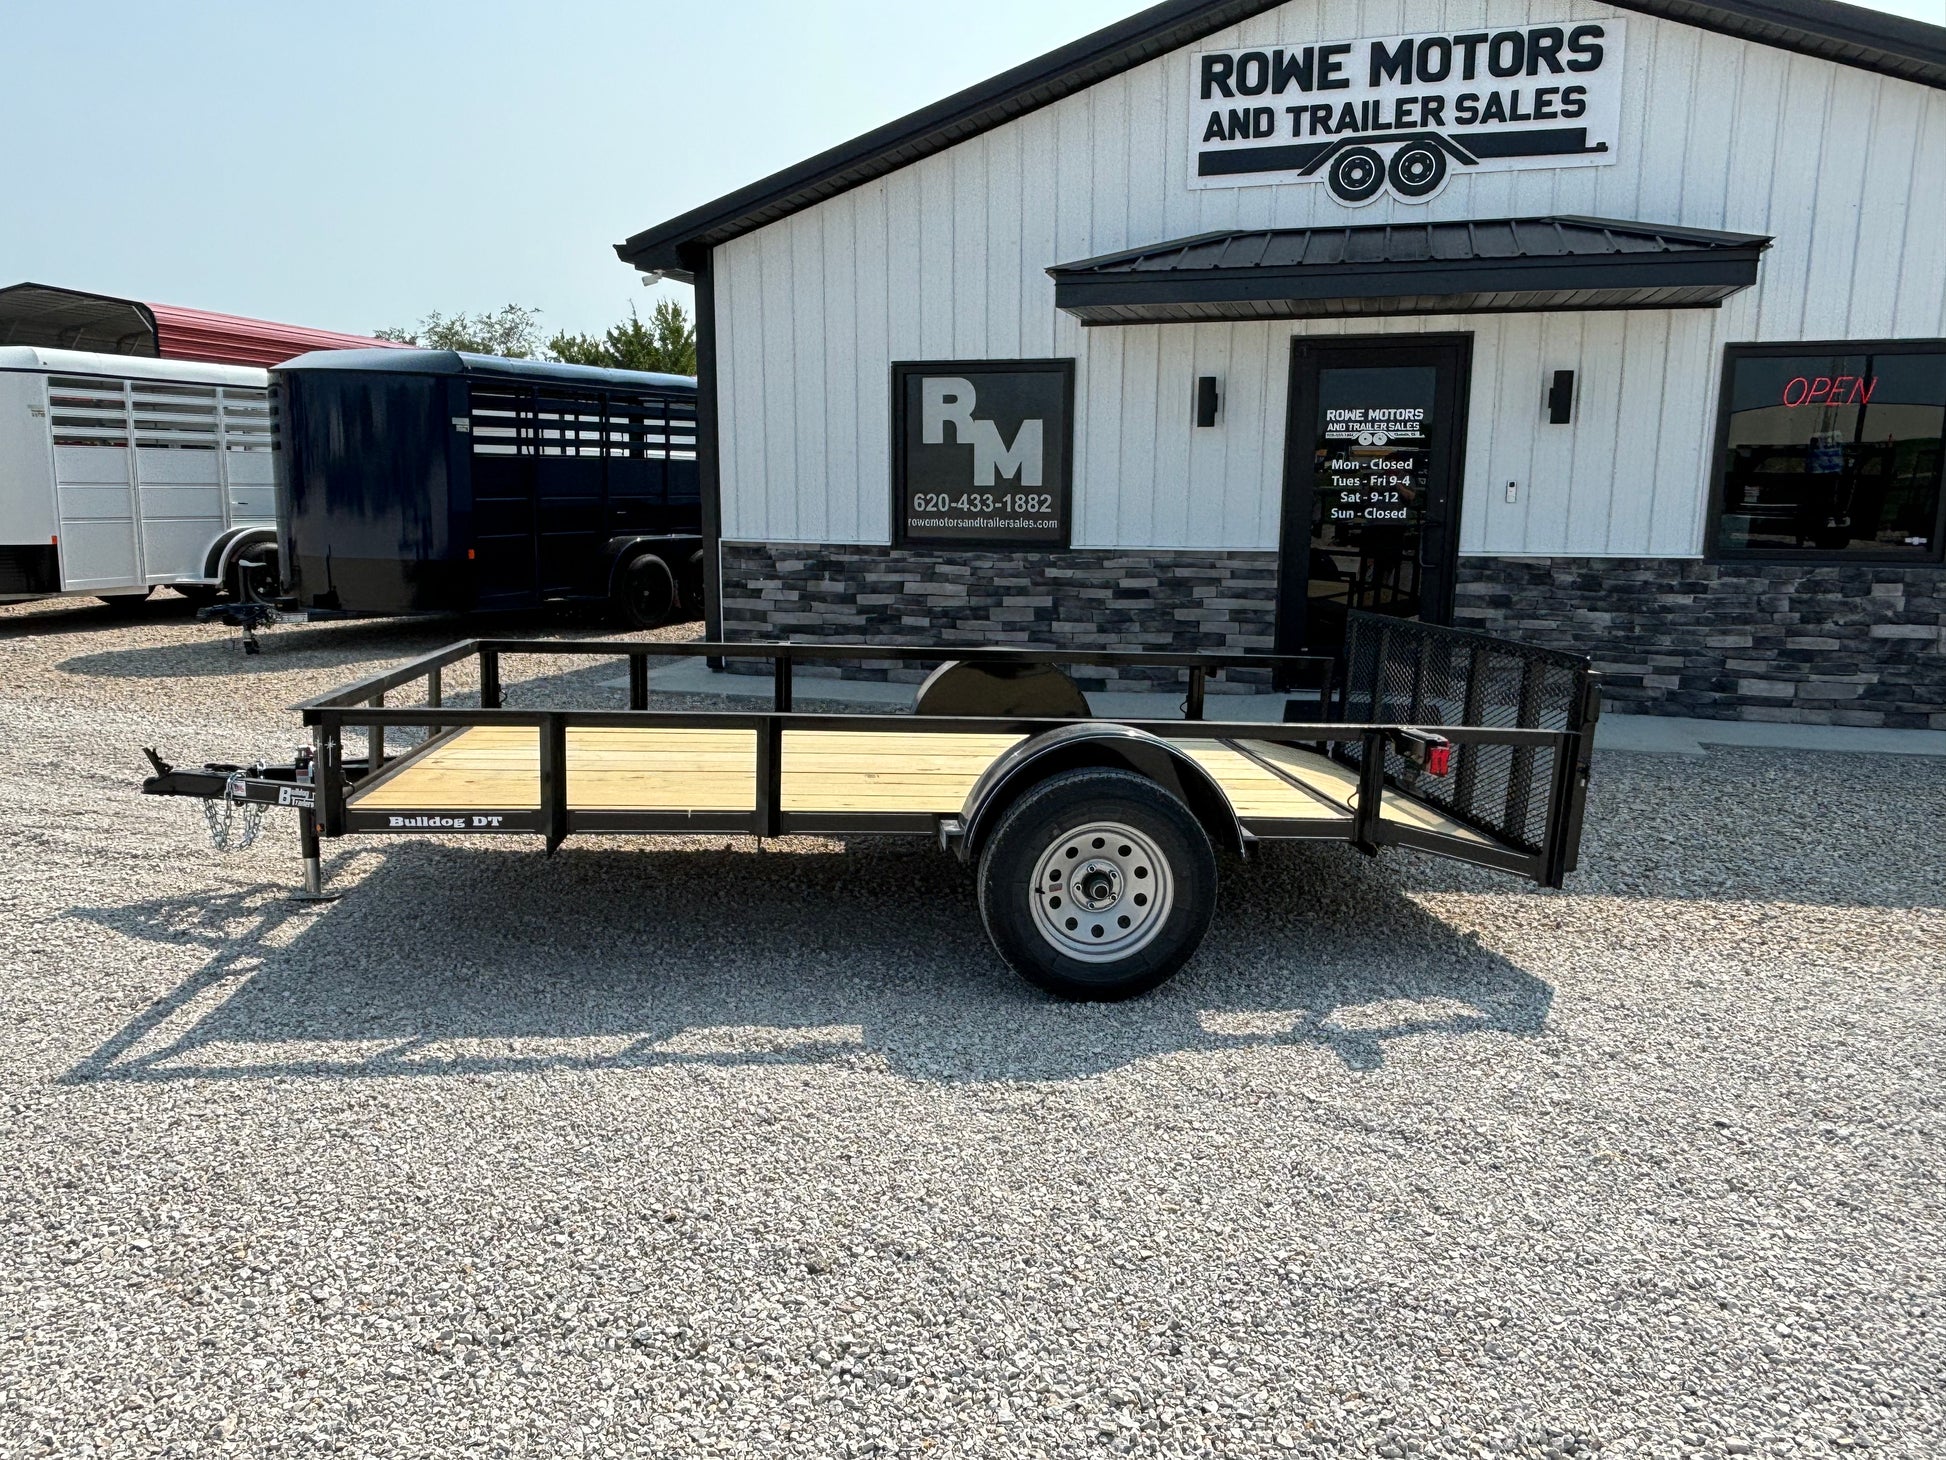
pixel 1356 174
pixel 1417 169
pixel 1098 884
pixel 253 576
pixel 645 592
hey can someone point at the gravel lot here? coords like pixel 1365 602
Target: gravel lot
pixel 705 1149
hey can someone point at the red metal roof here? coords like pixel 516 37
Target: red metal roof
pixel 229 339
pixel 69 319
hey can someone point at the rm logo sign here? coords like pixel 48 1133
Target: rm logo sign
pixel 982 452
pixel 949 401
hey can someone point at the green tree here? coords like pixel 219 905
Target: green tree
pixel 667 343
pixel 515 333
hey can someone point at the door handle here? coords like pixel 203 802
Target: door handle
pixel 1432 538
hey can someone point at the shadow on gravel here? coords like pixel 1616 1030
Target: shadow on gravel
pixel 445 960
pixel 310 646
pixel 45 618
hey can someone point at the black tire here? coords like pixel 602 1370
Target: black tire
pixel 1417 169
pixel 1356 174
pixel 1110 825
pixel 122 604
pixel 645 592
pixel 253 575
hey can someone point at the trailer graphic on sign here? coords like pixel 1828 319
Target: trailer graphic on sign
pixel 1409 111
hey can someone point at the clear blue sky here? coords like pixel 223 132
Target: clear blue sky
pixel 355 164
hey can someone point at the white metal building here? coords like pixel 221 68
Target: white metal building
pixel 120 473
pixel 1620 326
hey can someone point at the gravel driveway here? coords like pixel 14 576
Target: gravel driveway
pixel 706 1148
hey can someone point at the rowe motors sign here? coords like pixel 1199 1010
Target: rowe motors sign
pixel 1407 112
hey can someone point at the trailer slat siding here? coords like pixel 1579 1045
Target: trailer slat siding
pixel 1717 133
pixel 1881 216
pixel 1920 275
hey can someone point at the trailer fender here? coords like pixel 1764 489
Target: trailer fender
pixel 1077 747
pixel 233 543
pixel 673 548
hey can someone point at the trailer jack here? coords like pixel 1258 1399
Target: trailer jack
pixel 247 618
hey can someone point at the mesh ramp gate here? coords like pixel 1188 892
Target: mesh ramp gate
pixel 1407 672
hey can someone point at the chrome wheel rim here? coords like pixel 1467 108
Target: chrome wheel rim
pixel 1101 892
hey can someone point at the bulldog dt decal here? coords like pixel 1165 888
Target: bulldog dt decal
pixel 1406 112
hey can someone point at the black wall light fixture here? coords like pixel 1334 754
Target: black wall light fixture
pixel 1206 400
pixel 1560 399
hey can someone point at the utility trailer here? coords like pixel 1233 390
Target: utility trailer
pixel 1096 842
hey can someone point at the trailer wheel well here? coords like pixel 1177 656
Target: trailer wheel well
pixel 225 549
pixel 1097 747
pixel 673 549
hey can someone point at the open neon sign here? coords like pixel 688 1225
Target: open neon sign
pixel 1830 390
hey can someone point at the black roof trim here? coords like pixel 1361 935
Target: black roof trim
pixel 1467 266
pixel 1871 40
pixel 1891 45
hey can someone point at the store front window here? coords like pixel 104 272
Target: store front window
pixel 1832 451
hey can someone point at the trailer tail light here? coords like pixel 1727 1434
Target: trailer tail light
pixel 1432 754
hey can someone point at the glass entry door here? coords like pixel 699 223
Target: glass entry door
pixel 1371 484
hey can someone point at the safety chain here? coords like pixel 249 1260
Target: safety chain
pixel 238 823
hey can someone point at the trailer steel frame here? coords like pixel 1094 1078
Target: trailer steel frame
pixel 1390 757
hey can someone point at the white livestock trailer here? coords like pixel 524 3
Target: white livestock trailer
pixel 121 473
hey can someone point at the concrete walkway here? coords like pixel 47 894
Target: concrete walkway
pixel 1641 734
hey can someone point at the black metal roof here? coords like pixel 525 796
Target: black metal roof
pixel 489 367
pixel 1891 45
pixel 1468 267
pixel 67 319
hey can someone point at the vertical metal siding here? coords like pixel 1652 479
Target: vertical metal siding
pixel 945 260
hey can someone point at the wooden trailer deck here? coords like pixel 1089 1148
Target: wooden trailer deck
pixel 496 769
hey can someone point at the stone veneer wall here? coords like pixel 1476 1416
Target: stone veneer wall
pixel 1850 644
pixel 1844 644
pixel 1079 599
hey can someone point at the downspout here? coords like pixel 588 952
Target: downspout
pixel 708 453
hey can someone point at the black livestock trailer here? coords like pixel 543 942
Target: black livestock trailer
pixel 432 481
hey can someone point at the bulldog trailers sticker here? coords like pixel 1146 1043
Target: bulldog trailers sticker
pixel 1406 113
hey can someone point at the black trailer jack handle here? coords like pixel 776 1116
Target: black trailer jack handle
pixel 247 617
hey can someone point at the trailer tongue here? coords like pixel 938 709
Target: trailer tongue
pixel 1096 841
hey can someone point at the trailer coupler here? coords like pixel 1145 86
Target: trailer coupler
pixel 244 793
pixel 256 785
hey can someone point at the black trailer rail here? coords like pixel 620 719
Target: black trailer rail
pixel 1450 742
